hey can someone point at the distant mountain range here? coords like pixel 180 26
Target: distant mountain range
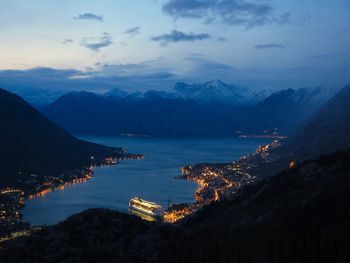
pixel 212 92
pixel 31 144
pixel 300 214
pixel 209 109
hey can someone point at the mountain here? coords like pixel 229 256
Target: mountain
pixel 31 144
pixel 288 108
pixel 211 92
pixel 93 114
pixel 116 93
pixel 38 98
pixel 217 91
pixel 157 114
pixel 325 132
pixel 300 215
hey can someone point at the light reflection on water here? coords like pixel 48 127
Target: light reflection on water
pixel 151 178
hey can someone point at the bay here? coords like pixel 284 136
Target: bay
pixel 151 178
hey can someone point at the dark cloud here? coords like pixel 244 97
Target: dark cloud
pixel 130 76
pixel 105 74
pixel 89 16
pixel 270 46
pixel 40 73
pixel 179 36
pixel 96 43
pixel 133 31
pixel 248 13
pixel 67 41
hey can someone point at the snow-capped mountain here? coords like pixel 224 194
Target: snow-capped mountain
pixel 159 113
pixel 210 92
pixel 216 91
pixel 116 93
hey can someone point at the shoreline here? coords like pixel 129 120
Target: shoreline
pixel 83 176
pixel 217 181
pixel 12 200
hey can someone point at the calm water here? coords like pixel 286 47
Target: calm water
pixel 151 178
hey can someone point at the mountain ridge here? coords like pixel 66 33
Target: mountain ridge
pixel 31 144
pixel 326 131
pixel 210 92
pixel 299 214
pixel 156 114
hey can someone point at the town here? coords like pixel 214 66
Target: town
pixel 219 181
pixel 215 182
pixel 12 199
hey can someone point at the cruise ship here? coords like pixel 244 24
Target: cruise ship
pixel 146 207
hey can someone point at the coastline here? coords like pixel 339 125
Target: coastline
pixel 217 181
pixel 12 200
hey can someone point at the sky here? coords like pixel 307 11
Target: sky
pixel 152 44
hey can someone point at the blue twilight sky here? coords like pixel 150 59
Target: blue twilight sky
pixel 142 44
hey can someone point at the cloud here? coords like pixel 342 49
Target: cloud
pixel 144 70
pixel 104 73
pixel 201 64
pixel 270 46
pixel 198 68
pixel 133 31
pixel 96 43
pixel 221 39
pixel 89 16
pixel 40 73
pixel 247 13
pixel 179 36
pixel 67 41
pixel 103 77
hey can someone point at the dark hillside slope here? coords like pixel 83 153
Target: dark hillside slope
pixel 300 215
pixel 31 144
pixel 328 130
pixel 286 109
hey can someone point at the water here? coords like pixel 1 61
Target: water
pixel 151 178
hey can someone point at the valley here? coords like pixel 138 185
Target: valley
pixel 174 131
